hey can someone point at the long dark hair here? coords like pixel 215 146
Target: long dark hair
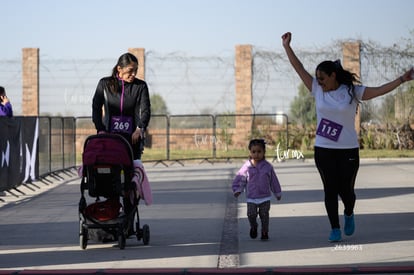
pixel 123 61
pixel 342 76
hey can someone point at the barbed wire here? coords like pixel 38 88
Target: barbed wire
pixel 198 84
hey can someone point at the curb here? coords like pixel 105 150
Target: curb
pixel 212 271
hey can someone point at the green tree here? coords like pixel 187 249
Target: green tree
pixel 302 107
pixel 158 105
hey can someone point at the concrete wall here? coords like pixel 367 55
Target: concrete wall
pixel 30 70
pixel 351 53
pixel 244 93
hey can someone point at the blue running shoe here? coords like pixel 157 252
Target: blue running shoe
pixel 349 227
pixel 335 235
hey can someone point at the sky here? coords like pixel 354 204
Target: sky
pixel 102 28
pixel 66 30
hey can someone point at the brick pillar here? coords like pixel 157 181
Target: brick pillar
pixel 244 94
pixel 30 74
pixel 351 52
pixel 140 54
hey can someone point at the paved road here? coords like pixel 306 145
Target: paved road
pixel 196 223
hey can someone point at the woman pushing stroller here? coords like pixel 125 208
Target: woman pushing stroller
pixel 126 108
pixel 126 102
pixel 112 167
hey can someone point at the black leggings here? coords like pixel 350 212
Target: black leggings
pixel 263 211
pixel 338 169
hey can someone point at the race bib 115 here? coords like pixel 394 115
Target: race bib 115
pixel 329 129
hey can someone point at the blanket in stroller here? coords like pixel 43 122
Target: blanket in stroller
pixel 141 181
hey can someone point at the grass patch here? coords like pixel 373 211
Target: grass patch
pixel 160 154
pixel 384 153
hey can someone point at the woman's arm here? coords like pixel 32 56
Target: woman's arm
pixel 142 112
pixel 294 60
pixel 143 107
pixel 372 92
pixel 97 103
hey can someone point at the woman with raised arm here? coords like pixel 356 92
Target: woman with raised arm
pixel 337 93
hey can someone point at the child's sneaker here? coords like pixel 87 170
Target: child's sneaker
pixel 335 235
pixel 253 232
pixel 265 235
pixel 349 227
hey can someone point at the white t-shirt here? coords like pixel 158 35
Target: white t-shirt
pixel 336 117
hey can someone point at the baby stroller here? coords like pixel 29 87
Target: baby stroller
pixel 107 171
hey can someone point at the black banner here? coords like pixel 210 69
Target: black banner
pixel 19 151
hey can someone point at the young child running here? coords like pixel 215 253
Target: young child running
pixel 259 179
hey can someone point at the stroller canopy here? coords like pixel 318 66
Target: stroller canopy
pixel 108 149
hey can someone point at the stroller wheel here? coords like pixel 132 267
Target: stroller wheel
pixel 138 232
pixel 121 241
pixel 83 235
pixel 145 234
pixel 83 239
pixel 137 229
pixel 121 238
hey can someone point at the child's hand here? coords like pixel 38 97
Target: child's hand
pixel 279 198
pixel 236 194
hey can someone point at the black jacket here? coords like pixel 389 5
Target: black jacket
pixel 136 104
